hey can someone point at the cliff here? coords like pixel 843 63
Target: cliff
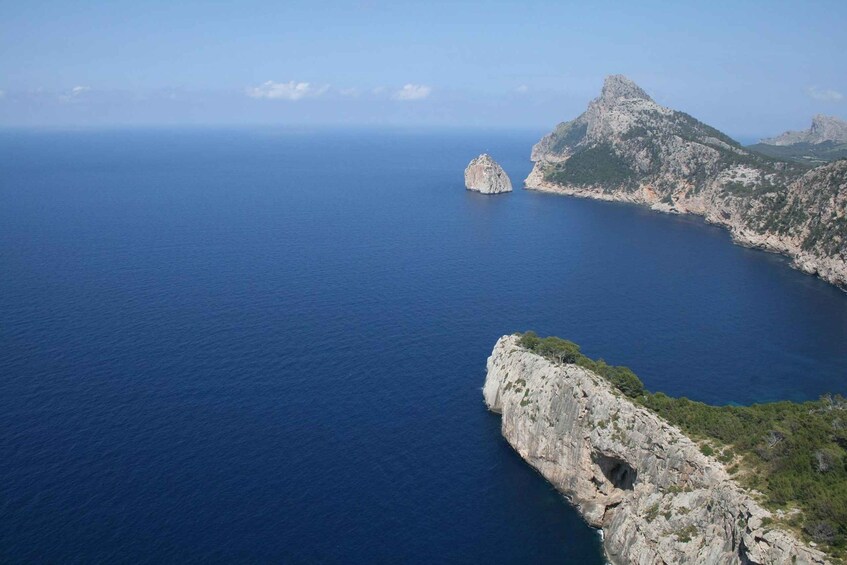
pixel 626 147
pixel 656 496
pixel 483 174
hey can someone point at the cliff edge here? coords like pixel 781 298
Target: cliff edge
pixel 656 496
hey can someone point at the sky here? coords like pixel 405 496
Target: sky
pixel 749 68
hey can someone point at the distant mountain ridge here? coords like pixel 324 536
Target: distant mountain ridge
pixel 825 140
pixel 626 147
pixel 823 129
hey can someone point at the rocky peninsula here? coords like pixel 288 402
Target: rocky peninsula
pixel 485 175
pixel 657 496
pixel 825 140
pixel 626 147
pixel 823 129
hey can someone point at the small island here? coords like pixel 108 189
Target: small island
pixel 484 175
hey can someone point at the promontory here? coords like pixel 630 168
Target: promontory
pixel 626 147
pixel 659 495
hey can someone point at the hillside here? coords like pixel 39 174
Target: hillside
pixel 626 147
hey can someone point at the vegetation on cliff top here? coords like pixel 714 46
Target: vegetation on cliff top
pixel 596 165
pixel 794 453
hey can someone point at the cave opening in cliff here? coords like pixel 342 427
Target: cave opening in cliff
pixel 620 473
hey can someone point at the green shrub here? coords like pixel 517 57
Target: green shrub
pixel 564 351
pixel 596 165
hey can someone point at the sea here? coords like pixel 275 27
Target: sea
pixel 267 345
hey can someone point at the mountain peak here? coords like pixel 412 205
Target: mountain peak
pixel 618 87
pixel 824 128
pixel 822 122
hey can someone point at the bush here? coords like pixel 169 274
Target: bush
pixel 564 351
pixel 596 165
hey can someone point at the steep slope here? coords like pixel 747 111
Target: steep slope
pixel 656 496
pixel 626 147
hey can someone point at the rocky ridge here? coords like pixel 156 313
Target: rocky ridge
pixel 484 175
pixel 626 147
pixel 823 129
pixel 656 496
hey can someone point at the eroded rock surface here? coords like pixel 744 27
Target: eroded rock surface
pixel 483 174
pixel 656 496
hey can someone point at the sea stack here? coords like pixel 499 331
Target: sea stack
pixel 484 175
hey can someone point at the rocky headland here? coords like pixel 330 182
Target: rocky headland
pixel 483 174
pixel 822 130
pixel 825 140
pixel 655 494
pixel 626 147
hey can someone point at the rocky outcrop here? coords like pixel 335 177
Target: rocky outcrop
pixel 823 129
pixel 484 175
pixel 626 147
pixel 657 498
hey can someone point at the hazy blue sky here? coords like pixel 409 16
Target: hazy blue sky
pixel 749 68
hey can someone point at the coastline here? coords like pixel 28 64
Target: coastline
pixel 829 270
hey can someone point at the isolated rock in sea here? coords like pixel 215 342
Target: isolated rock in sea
pixel 484 175
pixel 626 147
pixel 656 496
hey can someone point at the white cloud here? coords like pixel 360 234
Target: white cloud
pixel 522 89
pixel 412 92
pixel 72 94
pixel 824 94
pixel 379 90
pixel 286 90
pixel 351 92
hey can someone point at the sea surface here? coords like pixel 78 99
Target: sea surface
pixel 268 345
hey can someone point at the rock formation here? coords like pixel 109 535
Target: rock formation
pixel 484 175
pixel 656 496
pixel 823 129
pixel 626 147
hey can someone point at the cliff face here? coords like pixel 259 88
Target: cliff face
pixel 656 496
pixel 626 147
pixel 485 175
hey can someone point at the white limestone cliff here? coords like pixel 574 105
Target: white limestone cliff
pixel 657 498
pixel 484 175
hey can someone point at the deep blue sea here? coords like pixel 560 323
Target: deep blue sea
pixel 269 345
